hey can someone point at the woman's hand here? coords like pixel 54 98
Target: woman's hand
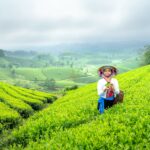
pixel 106 89
pixel 112 86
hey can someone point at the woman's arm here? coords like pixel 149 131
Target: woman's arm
pixel 100 88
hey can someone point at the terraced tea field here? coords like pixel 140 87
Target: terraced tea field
pixel 74 123
pixel 17 103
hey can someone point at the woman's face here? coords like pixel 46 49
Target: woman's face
pixel 107 72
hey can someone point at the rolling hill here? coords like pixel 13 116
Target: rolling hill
pixel 73 121
pixel 30 69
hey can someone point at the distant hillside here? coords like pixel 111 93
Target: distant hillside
pixel 73 121
pixel 32 69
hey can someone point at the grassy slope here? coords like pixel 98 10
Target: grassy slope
pixel 59 73
pixel 34 77
pixel 17 103
pixel 73 122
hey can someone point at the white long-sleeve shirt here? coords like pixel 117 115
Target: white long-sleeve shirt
pixel 101 86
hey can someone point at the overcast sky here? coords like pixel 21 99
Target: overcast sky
pixel 48 22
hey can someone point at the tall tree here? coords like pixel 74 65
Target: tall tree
pixel 146 56
pixel 2 54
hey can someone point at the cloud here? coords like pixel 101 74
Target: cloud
pixel 34 22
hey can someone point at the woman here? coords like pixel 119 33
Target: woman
pixel 107 87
